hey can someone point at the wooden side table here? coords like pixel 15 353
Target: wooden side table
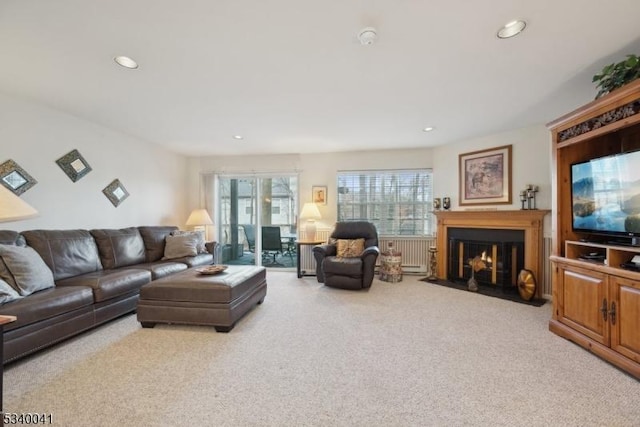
pixel 302 243
pixel 3 320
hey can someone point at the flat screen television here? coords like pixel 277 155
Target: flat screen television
pixel 605 197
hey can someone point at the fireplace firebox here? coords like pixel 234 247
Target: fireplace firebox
pixel 501 253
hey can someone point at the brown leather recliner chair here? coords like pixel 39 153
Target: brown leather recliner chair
pixel 348 273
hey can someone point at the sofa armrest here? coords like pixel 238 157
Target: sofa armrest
pixel 371 251
pixel 369 257
pixel 320 252
pixel 212 248
pixel 325 250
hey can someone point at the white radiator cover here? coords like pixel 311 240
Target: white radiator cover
pixel 415 251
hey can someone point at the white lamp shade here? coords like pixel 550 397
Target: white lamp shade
pixel 310 211
pixel 199 217
pixel 13 208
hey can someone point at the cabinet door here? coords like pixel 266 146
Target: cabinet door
pixel 625 325
pixel 581 294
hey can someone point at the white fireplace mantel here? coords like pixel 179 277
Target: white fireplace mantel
pixel 530 221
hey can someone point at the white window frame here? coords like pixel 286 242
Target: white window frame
pixel 398 202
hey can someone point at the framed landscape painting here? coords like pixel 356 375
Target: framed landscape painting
pixel 485 177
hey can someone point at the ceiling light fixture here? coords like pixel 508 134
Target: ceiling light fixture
pixel 512 29
pixel 238 136
pixel 367 36
pixel 126 62
pixel 428 129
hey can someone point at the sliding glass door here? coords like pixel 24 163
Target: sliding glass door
pixel 258 220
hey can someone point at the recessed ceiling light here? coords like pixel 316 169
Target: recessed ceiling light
pixel 238 136
pixel 428 129
pixel 367 36
pixel 512 29
pixel 126 62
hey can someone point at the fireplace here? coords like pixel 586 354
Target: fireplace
pixel 527 222
pixel 499 256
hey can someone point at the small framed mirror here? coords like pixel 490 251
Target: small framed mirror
pixel 115 192
pixel 74 165
pixel 16 179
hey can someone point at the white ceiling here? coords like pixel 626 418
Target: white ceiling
pixel 291 77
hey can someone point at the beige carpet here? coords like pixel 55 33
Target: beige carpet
pixel 405 354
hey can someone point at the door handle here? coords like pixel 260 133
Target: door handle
pixel 603 309
pixel 612 313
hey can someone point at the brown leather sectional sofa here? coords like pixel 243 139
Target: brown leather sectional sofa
pixel 97 275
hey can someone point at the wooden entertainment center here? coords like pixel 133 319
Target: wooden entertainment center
pixel 596 302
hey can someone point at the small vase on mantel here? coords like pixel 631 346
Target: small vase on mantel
pixel 446 203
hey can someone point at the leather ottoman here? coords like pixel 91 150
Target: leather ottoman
pixel 190 297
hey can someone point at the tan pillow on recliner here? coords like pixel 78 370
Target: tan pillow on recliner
pixel 350 248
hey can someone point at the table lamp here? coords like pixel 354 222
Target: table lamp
pixel 199 219
pixel 310 212
pixel 13 208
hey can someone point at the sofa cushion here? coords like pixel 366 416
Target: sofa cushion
pixel 180 246
pixel 154 240
pixel 161 268
pixel 46 304
pixel 201 245
pixel 119 248
pixel 196 261
pixel 68 253
pixel 7 293
pixel 350 248
pixel 351 267
pixel 107 284
pixel 28 272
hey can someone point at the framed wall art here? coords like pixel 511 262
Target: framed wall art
pixel 74 165
pixel 485 177
pixel 15 178
pixel 319 194
pixel 115 192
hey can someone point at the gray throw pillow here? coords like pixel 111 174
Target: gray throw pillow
pixel 180 246
pixel 7 293
pixel 200 247
pixel 28 270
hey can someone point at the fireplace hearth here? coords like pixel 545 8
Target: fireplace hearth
pixel 486 223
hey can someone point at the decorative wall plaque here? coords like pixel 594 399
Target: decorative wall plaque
pixel 15 178
pixel 74 165
pixel 115 192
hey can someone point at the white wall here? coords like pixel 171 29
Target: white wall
pixel 35 136
pixel 165 186
pixel 530 163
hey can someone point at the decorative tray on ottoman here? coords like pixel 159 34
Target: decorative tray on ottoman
pixel 211 269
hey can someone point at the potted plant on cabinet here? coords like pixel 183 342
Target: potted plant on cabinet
pixel 617 75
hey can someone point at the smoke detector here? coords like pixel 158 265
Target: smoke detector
pixel 367 35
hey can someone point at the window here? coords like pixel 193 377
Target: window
pixel 398 202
